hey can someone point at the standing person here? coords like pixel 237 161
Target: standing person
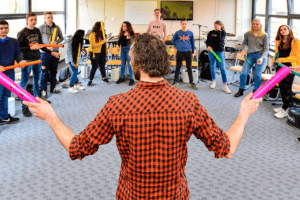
pixel 31 35
pixel 98 52
pixel 49 62
pixel 125 35
pixel 216 42
pixel 157 27
pixel 9 53
pixel 288 48
pixel 72 57
pixel 258 47
pixel 151 133
pixel 184 42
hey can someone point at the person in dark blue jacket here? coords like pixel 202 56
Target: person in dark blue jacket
pixel 184 42
pixel 9 53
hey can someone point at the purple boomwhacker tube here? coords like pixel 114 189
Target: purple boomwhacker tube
pixel 267 86
pixel 20 92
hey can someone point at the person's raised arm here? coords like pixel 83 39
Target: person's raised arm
pixel 236 131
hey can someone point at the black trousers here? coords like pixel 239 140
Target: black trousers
pixel 188 59
pixel 285 87
pixel 98 62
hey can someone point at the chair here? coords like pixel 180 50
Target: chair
pixel 115 55
pixel 172 53
pixel 238 68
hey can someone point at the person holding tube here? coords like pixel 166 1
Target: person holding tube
pixel 49 62
pixel 257 50
pixel 98 52
pixel 73 53
pixel 288 48
pixel 184 42
pixel 125 35
pixel 152 145
pixel 216 42
pixel 9 53
pixel 31 35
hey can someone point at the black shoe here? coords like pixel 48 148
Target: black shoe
pixel 105 80
pixel 239 93
pixel 26 112
pixel 131 82
pixel 89 83
pixel 175 83
pixel 9 120
pixel 44 94
pixel 55 91
pixel 194 86
pixel 120 80
pixel 298 140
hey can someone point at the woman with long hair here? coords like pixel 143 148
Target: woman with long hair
pixel 258 47
pixel 288 48
pixel 125 35
pixel 216 42
pixel 71 59
pixel 98 52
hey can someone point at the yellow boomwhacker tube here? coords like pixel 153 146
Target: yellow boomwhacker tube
pixel 54 35
pixel 78 56
pixel 103 33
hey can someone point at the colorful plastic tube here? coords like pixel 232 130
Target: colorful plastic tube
pixel 294 72
pixel 247 60
pixel 47 45
pixel 267 86
pixel 13 87
pixel 78 55
pixel 54 35
pixel 217 57
pixel 22 65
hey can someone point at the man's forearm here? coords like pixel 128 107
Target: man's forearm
pixel 62 132
pixel 235 133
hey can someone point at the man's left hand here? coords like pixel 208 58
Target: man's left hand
pixel 56 54
pixel 42 110
pixel 259 62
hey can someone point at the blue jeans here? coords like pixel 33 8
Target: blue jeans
pixel 73 78
pixel 49 63
pixel 213 64
pixel 25 75
pixel 4 95
pixel 125 57
pixel 253 58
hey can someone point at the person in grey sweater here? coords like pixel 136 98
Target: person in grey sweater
pixel 49 63
pixel 257 51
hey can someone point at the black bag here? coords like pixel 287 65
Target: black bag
pixel 203 58
pixel 64 74
pixel 205 72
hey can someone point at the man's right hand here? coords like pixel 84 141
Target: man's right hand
pixel 249 106
pixel 42 110
pixel 35 47
pixel 2 69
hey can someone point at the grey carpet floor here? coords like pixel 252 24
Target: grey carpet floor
pixel 34 165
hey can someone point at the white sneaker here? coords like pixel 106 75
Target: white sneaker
pixel 73 90
pixel 277 109
pixel 78 86
pixel 213 84
pixel 226 89
pixel 281 114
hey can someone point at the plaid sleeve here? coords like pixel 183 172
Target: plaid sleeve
pixel 99 131
pixel 209 133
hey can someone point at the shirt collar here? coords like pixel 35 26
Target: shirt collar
pixel 149 85
pixel 3 40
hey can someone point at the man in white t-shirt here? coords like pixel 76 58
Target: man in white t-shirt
pixel 158 27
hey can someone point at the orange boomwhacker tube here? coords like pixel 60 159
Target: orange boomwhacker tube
pixel 47 45
pixel 22 65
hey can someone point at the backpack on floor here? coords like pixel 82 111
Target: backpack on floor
pixel 64 74
pixel 205 72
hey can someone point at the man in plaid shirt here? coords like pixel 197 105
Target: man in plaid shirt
pixel 152 123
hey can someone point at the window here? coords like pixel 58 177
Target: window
pixel 15 26
pixel 15 12
pixel 276 13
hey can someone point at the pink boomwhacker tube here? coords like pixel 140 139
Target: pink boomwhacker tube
pixel 20 92
pixel 267 86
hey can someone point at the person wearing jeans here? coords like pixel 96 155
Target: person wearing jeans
pixel 184 42
pixel 216 42
pixel 258 47
pixel 125 35
pixel 72 57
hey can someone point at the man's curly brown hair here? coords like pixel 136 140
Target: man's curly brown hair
pixel 150 55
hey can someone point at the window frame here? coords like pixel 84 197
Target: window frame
pixel 28 8
pixel 290 16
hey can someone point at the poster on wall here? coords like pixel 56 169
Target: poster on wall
pixel 140 12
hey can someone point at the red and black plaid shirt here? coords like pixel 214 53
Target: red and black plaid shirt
pixel 152 123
